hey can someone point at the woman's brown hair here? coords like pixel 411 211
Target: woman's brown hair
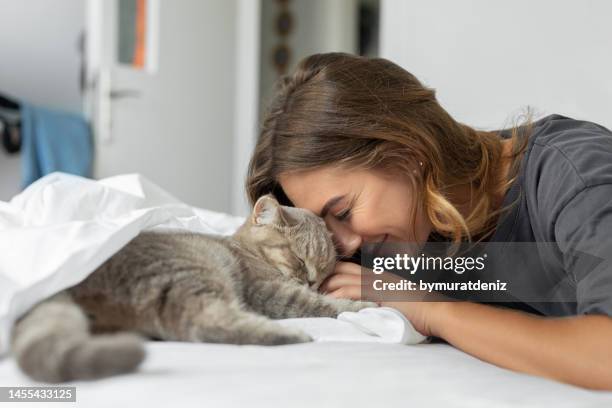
pixel 343 110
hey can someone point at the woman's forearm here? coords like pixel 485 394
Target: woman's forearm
pixel 575 350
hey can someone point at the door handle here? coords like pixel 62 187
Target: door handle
pixel 104 94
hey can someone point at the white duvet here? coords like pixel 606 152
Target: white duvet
pixel 62 227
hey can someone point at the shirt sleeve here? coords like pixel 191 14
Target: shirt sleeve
pixel 583 232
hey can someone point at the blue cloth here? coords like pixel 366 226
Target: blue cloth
pixel 54 141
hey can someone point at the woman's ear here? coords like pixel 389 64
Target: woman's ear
pixel 267 211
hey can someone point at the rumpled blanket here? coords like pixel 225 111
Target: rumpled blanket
pixel 62 227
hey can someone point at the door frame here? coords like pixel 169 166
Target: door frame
pixel 246 119
pixel 246 102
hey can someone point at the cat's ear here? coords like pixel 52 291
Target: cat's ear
pixel 267 211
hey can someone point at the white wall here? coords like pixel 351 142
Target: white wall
pixel 38 48
pixel 489 59
pixel 39 63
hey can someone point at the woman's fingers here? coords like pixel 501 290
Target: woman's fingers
pixel 339 280
pixel 345 283
pixel 348 268
pixel 347 292
pixel 345 273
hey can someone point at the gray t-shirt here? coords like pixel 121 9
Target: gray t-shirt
pixel 564 196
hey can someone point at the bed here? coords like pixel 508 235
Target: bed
pixel 62 227
pixel 326 374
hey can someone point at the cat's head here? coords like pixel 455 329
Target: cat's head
pixel 294 241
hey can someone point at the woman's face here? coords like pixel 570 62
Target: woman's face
pixel 358 206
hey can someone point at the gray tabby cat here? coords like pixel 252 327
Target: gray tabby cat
pixel 185 287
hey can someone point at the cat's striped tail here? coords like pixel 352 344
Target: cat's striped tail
pixel 52 343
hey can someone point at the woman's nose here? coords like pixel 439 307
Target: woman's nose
pixel 347 242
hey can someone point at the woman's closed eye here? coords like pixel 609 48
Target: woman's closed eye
pixel 343 215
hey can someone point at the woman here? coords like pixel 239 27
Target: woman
pixel 365 145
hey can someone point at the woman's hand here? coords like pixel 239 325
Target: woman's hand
pixel 426 317
pixel 346 282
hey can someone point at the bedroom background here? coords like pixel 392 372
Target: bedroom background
pixel 175 90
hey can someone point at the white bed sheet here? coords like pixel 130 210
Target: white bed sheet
pixel 317 375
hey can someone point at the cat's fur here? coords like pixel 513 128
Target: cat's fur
pixel 185 287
